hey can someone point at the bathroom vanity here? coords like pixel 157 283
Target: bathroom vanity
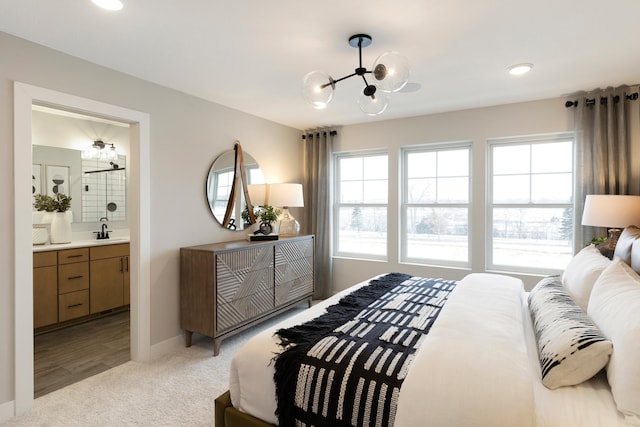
pixel 79 281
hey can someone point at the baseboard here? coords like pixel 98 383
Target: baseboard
pixel 167 346
pixel 7 411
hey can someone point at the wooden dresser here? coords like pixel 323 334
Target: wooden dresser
pixel 227 287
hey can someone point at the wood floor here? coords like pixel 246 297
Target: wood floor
pixel 77 352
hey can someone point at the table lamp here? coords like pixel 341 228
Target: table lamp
pixel 612 211
pixel 285 196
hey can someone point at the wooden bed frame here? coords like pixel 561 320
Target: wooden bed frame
pixel 228 416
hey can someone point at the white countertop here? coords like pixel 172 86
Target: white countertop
pixel 80 244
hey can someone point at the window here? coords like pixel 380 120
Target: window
pixel 435 204
pixel 530 213
pixel 361 205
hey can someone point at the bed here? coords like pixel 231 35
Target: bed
pixel 495 355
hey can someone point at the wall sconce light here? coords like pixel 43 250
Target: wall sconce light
pixel 390 73
pixel 614 212
pixel 100 151
pixel 286 196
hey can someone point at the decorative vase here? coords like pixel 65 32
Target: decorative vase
pixel 40 235
pixel 60 228
pixel 47 217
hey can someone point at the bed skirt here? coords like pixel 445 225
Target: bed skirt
pixel 228 416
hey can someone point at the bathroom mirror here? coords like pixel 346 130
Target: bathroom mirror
pixel 98 188
pixel 226 194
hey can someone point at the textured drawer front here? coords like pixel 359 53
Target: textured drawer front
pixel 243 309
pixel 109 251
pixel 45 259
pixel 72 305
pixel 73 277
pixel 294 270
pixel 73 255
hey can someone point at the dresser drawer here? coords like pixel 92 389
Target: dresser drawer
pixel 73 277
pixel 72 305
pixel 109 251
pixel 73 255
pixel 45 259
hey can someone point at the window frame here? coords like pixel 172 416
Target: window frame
pixel 337 204
pixel 404 205
pixel 490 206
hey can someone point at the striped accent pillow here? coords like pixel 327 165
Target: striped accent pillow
pixel 571 348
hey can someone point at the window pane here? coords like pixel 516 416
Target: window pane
pixel 362 230
pixel 375 191
pixel 532 237
pixel 351 192
pixel 421 165
pixel 552 188
pixel 350 168
pixel 375 167
pixel 511 159
pixel 437 233
pixel 453 190
pixel 552 157
pixel 453 163
pixel 511 189
pixel 422 190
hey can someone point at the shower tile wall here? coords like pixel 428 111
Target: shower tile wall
pixel 104 193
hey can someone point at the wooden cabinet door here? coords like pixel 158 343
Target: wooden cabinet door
pixel 107 284
pixel 127 281
pixel 45 296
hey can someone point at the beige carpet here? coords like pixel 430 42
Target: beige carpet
pixel 175 390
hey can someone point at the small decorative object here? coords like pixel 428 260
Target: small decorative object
pixel 40 235
pixel 267 215
pixel 61 224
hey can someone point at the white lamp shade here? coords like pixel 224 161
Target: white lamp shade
pixel 611 211
pixel 285 195
pixel 257 194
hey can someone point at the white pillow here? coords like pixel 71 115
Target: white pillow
pixel 571 349
pixel 582 272
pixel 615 307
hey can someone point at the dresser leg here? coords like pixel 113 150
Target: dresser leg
pixel 216 347
pixel 187 336
pixel 309 301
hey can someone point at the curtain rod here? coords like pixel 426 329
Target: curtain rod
pixel 603 100
pixel 332 133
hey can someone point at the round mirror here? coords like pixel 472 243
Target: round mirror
pixel 225 194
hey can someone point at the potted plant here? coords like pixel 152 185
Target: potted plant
pixel 60 224
pixel 268 214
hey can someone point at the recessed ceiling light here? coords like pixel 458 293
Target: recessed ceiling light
pixel 108 4
pixel 519 69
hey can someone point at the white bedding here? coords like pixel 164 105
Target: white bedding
pixel 481 360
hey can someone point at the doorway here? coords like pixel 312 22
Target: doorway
pixel 25 96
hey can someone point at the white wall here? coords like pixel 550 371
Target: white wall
pixel 187 134
pixel 476 125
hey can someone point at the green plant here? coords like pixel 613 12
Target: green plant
pixel 245 214
pixel 268 214
pixel 59 203
pixel 597 240
pixel 44 203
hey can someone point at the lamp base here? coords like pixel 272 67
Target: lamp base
pixel 608 247
pixel 289 226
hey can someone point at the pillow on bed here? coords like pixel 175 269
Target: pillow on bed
pixel 615 308
pixel 582 272
pixel 571 348
pixel 625 242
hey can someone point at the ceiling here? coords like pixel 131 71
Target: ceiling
pixel 252 55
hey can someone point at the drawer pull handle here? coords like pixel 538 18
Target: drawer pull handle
pixel 74 277
pixel 75 256
pixel 74 305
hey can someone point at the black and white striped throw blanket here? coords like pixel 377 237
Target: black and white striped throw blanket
pixel 346 367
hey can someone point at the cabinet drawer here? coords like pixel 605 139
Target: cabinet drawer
pixel 45 259
pixel 241 310
pixel 73 277
pixel 109 251
pixel 73 255
pixel 72 305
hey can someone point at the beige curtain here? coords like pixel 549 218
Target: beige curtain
pixel 318 148
pixel 603 151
